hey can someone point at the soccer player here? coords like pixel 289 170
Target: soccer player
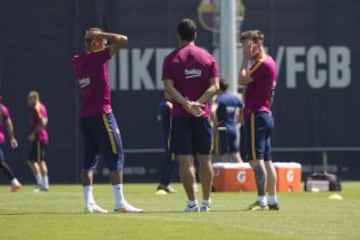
pixel 260 81
pixel 5 119
pixel 39 140
pixel 164 118
pixel 97 121
pixel 226 110
pixel 191 78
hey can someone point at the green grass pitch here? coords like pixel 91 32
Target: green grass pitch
pixel 58 214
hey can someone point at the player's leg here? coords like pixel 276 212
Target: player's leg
pixel 34 166
pixel 15 184
pixel 223 144
pixel 242 142
pixel 256 148
pixel 202 138
pixel 111 148
pixel 90 161
pixel 218 143
pixel 41 156
pixel 169 166
pixel 270 170
pixel 233 145
pixel 187 176
pixel 183 148
pixel 167 173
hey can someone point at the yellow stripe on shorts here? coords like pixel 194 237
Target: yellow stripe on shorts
pixel 111 136
pixel 252 136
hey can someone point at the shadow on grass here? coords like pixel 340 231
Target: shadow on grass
pixel 115 213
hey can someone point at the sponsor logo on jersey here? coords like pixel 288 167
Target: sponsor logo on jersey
pixel 192 73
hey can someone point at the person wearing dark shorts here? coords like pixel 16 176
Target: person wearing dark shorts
pixel 169 166
pixel 226 110
pixel 5 120
pixel 259 81
pixel 39 139
pixel 191 78
pixel 101 135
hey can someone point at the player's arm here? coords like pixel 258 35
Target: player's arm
pixel 42 123
pixel 214 107
pixel 211 91
pixel 10 130
pixel 244 75
pixel 192 107
pixel 117 41
pixel 174 93
pixel 272 97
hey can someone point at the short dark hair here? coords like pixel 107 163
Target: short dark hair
pixel 254 35
pixel 224 84
pixel 187 29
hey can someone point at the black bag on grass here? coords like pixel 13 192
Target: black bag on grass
pixel 322 181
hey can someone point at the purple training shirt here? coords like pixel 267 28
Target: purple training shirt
pixel 38 112
pixel 258 93
pixel 190 68
pixel 92 74
pixel 4 115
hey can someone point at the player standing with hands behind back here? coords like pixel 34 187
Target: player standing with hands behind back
pixel 260 82
pixel 97 121
pixel 191 78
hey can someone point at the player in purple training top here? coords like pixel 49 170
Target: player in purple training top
pixel 260 81
pixel 191 78
pixel 5 120
pixel 39 140
pixel 101 134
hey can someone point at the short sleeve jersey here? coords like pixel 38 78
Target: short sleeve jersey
pixel 190 68
pixel 259 92
pixel 227 106
pixel 4 115
pixel 92 75
pixel 39 112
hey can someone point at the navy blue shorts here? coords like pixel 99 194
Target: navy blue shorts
pixel 190 135
pixel 226 140
pixel 37 152
pixel 258 130
pixel 101 135
pixel 2 155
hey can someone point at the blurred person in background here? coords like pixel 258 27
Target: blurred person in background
pixel 39 139
pixel 5 121
pixel 225 111
pixel 169 166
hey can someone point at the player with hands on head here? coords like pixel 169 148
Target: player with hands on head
pixel 259 80
pixel 101 134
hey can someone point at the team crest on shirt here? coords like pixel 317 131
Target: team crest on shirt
pixel 192 73
pixel 84 82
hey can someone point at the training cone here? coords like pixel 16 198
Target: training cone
pixel 335 197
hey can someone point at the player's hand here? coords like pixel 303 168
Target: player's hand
pixel 194 108
pixel 13 143
pixel 31 137
pixel 95 35
pixel 247 50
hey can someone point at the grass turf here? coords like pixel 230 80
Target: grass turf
pixel 58 214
